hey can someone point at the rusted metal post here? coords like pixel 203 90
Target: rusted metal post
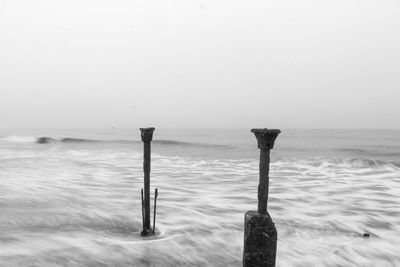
pixel 147 137
pixel 260 235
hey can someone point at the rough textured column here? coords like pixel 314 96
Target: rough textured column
pixel 260 235
pixel 147 137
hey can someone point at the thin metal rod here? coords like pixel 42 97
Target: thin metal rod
pixel 142 208
pixel 155 209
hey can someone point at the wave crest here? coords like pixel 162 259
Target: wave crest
pixel 45 140
pixel 48 140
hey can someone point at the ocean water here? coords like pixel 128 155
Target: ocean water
pixel 76 201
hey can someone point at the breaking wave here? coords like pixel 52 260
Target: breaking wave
pixel 47 140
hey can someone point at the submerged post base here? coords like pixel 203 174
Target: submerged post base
pixel 260 240
pixel 146 232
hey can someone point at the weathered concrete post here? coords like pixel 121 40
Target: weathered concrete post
pixel 260 235
pixel 147 137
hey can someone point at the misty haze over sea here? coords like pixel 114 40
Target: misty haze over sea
pixel 75 201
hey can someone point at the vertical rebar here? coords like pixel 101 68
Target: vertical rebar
pixel 142 207
pixel 155 209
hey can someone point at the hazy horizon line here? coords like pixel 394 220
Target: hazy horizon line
pixel 192 128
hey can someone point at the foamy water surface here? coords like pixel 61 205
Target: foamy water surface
pixel 78 203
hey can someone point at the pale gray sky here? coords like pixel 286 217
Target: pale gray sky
pixel 197 63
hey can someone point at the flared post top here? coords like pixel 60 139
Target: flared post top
pixel 266 137
pixel 147 134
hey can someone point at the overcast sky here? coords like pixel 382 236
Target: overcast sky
pixel 197 63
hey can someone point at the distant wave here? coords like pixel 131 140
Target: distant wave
pixel 193 144
pixel 355 150
pixel 170 142
pixel 369 152
pixel 48 140
pixel 77 140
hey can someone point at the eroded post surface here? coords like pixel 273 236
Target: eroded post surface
pixel 260 235
pixel 147 137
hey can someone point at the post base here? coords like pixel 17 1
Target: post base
pixel 146 232
pixel 260 240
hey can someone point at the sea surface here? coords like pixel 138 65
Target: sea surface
pixel 76 201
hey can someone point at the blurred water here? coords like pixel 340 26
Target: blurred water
pixel 77 202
